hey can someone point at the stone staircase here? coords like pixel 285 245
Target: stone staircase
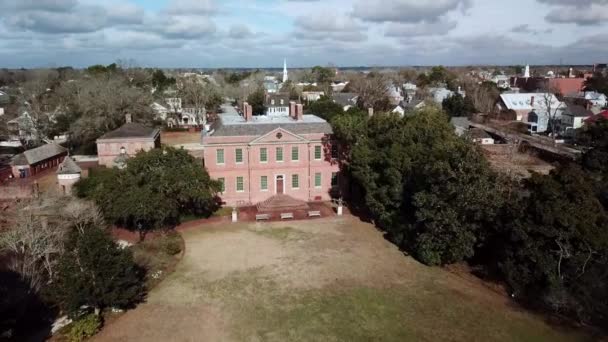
pixel 283 203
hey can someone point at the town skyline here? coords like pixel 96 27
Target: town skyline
pixel 253 34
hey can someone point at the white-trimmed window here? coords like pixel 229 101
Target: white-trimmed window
pixel 222 184
pixel 279 154
pixel 219 156
pixel 239 156
pixel 317 180
pixel 240 184
pixel 295 181
pixel 295 153
pixel 264 183
pixel 263 155
pixel 318 152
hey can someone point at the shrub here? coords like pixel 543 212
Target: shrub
pixel 84 328
pixel 172 244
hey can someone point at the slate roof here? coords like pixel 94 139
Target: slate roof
pixel 131 130
pixel 277 100
pixel 38 154
pixel 578 111
pixel 68 167
pixel 259 129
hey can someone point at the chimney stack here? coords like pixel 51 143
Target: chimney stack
pixel 370 111
pixel 532 101
pixel 247 111
pixel 128 118
pixel 299 112
pixel 292 109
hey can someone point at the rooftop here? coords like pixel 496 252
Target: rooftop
pixel 68 167
pixel 232 124
pixel 132 130
pixel 38 154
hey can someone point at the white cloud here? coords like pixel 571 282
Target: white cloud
pixel 409 11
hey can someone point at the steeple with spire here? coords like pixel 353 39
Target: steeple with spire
pixel 285 75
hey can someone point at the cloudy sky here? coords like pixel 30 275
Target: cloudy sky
pixel 260 33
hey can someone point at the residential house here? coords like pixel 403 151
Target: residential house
pixel 272 87
pixel 4 101
pixel 338 86
pixel 346 100
pixel 312 96
pixel 535 109
pixel 395 95
pixel 539 84
pixel 439 94
pixel 502 81
pixel 277 104
pixel 410 90
pixel 115 147
pixel 594 98
pixel 36 160
pixel 479 136
pixel 257 158
pixel 406 107
pixel 573 118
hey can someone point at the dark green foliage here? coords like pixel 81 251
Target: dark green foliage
pixel 160 81
pixel 555 247
pixel 322 75
pixel 324 108
pixel 257 100
pixel 94 271
pixel 438 75
pixel 99 69
pixel 153 190
pixel 598 82
pixel 456 105
pixel 595 159
pixel 430 190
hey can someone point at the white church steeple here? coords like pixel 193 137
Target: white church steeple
pixel 527 71
pixel 285 75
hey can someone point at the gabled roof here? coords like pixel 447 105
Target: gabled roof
pixel 68 167
pixel 345 99
pixel 38 154
pixel 577 110
pixel 131 130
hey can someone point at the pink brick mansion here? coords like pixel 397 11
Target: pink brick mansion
pixel 258 157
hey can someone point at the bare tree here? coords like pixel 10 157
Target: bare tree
pixel 553 108
pixel 37 236
pixel 372 91
pixel 199 94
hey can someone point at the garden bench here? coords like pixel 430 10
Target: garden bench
pixel 286 216
pixel 262 217
pixel 316 213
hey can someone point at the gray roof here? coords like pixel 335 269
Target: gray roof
pixel 131 130
pixel 248 129
pixel 68 167
pixel 345 99
pixel 577 110
pixel 277 100
pixel 460 121
pixel 38 154
pixel 478 133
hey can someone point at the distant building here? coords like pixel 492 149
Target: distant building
pixel 277 104
pixel 312 95
pixel 406 107
pixel 441 93
pixel 535 109
pixel 36 160
pixel 461 125
pixel 573 118
pixel 346 100
pixel 338 86
pixel 260 158
pixel 115 147
pixel 479 136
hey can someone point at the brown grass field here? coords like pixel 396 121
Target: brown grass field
pixel 333 279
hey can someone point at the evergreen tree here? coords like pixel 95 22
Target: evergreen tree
pixel 96 272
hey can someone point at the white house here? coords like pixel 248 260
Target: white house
pixel 337 87
pixel 502 81
pixel 346 100
pixel 408 106
pixel 535 109
pixel 573 118
pixel 442 93
pixel 277 104
pixel 596 99
pixel 312 95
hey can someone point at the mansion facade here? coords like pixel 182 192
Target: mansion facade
pixel 258 157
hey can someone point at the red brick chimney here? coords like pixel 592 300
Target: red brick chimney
pixel 292 109
pixel 299 112
pixel 247 111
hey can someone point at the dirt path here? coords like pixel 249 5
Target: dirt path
pixel 324 280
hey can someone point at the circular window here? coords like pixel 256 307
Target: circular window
pixel 279 135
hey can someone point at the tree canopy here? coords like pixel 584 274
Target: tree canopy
pixel 457 105
pixel 257 100
pixel 324 108
pixel 153 191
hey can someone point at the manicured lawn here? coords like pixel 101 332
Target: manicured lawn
pixel 321 280
pixel 180 138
